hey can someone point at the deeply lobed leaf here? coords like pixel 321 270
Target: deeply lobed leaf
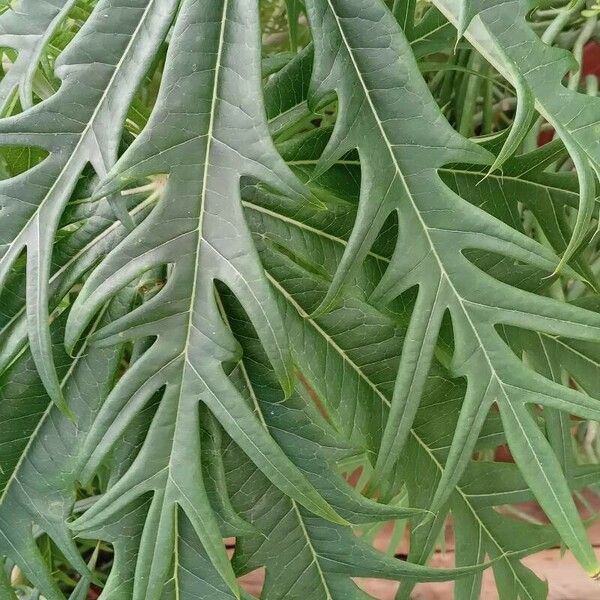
pixel 402 144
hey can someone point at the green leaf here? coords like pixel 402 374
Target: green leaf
pixel 300 430
pixel 379 303
pixel 350 356
pixel 194 577
pixel 401 149
pixel 524 179
pixel 479 529
pixel 124 531
pixel 205 141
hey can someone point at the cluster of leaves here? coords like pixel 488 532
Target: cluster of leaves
pixel 247 249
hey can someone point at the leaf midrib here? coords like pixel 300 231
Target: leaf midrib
pixel 209 142
pixel 261 416
pixel 500 177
